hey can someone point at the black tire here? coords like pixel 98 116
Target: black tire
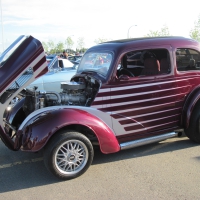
pixel 68 155
pixel 193 131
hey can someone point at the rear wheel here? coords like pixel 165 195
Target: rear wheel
pixel 193 131
pixel 68 155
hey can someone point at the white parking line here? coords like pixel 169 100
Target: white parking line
pixel 20 162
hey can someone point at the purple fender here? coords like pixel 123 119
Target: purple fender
pixel 189 105
pixel 38 132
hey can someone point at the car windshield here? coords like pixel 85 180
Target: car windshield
pixel 97 62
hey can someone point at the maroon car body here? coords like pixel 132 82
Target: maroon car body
pixel 126 93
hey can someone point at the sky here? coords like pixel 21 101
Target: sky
pixel 91 19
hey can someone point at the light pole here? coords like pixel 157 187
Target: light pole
pixel 129 29
pixel 2 27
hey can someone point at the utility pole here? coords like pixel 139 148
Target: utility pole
pixel 2 27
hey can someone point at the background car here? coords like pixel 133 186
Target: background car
pixel 59 70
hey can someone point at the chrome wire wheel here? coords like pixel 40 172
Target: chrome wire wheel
pixel 68 154
pixel 71 157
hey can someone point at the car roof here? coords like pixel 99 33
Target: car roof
pixel 176 41
pixel 166 39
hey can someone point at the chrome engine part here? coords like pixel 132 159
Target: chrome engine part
pixel 80 93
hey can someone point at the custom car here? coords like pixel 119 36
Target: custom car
pixel 126 93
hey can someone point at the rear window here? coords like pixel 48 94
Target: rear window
pixel 187 59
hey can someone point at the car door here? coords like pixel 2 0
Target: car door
pixel 145 104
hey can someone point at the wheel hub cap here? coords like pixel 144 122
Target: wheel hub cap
pixel 71 157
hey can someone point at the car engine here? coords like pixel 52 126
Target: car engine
pixel 79 92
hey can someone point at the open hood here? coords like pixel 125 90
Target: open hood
pixel 20 64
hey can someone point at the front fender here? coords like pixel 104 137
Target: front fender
pixel 10 115
pixel 39 129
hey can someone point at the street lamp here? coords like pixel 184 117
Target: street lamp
pixel 129 29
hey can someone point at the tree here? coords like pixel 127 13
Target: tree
pixel 45 46
pixel 195 32
pixel 80 43
pixel 59 47
pixel 69 42
pixel 163 32
pixel 100 40
pixel 51 46
pixel 152 34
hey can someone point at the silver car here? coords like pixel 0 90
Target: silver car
pixel 59 70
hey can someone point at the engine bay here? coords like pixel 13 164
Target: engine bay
pixel 80 91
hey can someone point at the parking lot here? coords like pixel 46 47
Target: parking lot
pixel 166 170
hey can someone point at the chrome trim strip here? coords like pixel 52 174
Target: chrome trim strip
pixel 136 143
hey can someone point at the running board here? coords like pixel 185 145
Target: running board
pixel 140 142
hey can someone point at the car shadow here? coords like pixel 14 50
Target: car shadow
pixel 146 150
pixel 21 170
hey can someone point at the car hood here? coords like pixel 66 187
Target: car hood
pixel 21 63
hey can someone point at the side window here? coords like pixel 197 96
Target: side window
pixel 187 59
pixel 149 62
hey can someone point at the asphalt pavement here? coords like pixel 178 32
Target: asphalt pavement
pixel 166 170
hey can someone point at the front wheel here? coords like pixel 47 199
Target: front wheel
pixel 68 155
pixel 193 131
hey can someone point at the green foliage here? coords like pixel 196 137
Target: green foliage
pixel 53 48
pixel 59 47
pixel 69 42
pixel 81 50
pixel 80 43
pixel 195 32
pixel 163 32
pixel 45 46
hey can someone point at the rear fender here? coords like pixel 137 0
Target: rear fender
pixel 189 105
pixel 39 129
